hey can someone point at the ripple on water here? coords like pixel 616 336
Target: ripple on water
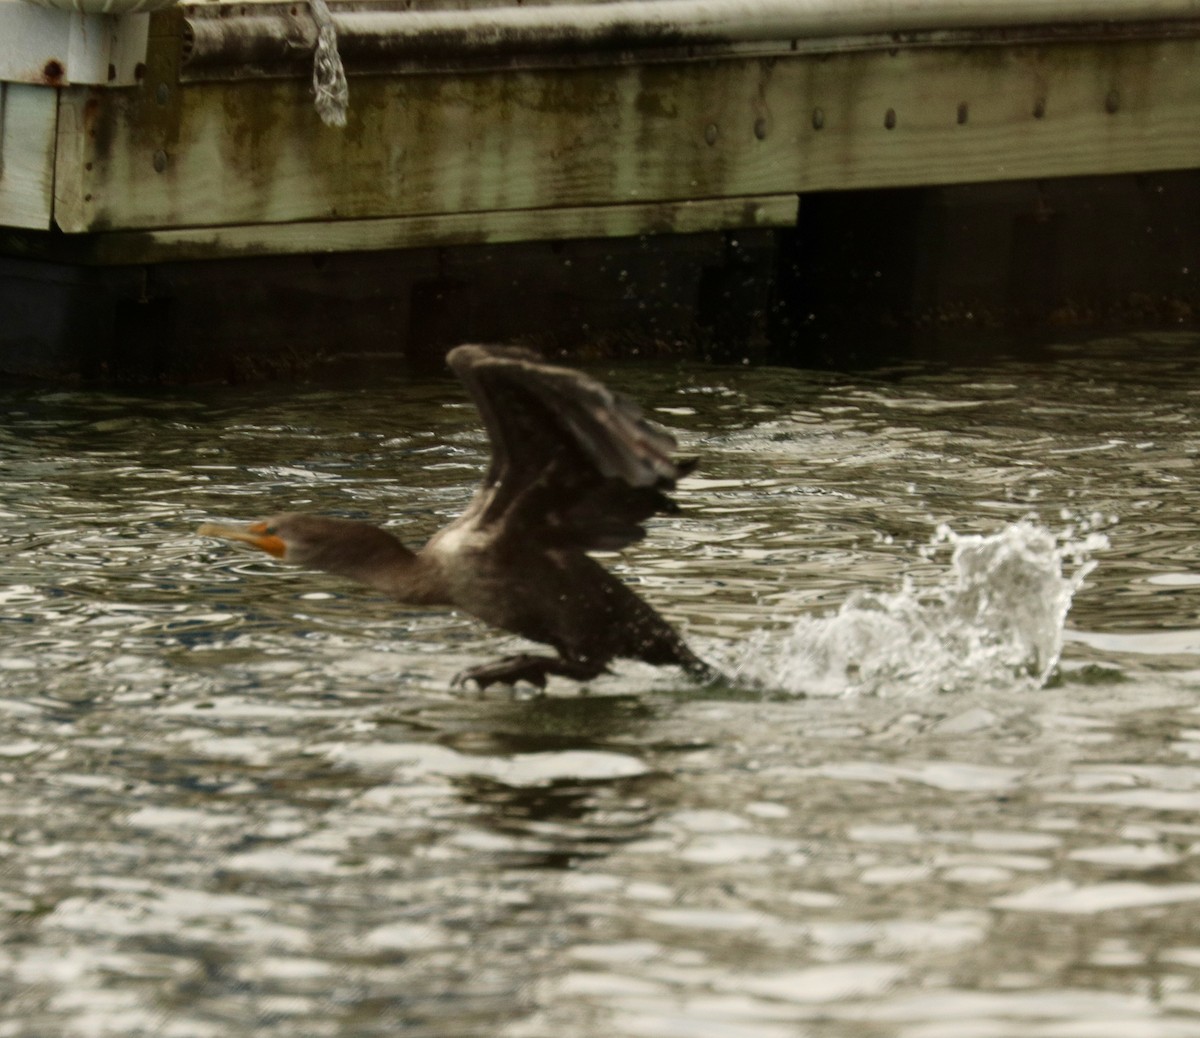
pixel 237 798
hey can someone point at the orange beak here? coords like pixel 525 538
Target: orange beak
pixel 255 535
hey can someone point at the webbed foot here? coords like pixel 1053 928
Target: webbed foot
pixel 524 667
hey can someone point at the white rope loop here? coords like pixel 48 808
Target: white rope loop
pixel 332 93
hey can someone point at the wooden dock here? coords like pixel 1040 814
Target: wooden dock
pixel 134 143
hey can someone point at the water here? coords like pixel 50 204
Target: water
pixel 237 798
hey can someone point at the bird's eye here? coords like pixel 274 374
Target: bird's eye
pixel 271 531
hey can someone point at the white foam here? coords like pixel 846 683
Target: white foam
pixel 995 618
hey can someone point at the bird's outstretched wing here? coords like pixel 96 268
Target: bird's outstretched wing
pixel 573 463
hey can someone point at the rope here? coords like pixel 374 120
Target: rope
pixel 329 78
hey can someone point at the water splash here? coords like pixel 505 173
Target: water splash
pixel 995 619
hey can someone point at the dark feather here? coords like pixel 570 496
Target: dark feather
pixel 572 462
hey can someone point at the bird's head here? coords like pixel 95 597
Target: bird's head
pixel 341 546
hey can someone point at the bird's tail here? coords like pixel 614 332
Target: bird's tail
pixel 676 651
pixel 702 672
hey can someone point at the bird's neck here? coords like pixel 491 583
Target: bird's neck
pixel 376 558
pixel 413 579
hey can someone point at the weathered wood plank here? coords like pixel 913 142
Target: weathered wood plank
pixel 268 35
pixel 407 232
pixel 27 123
pixel 254 152
pixel 45 46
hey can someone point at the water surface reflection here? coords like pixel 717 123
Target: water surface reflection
pixel 238 798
